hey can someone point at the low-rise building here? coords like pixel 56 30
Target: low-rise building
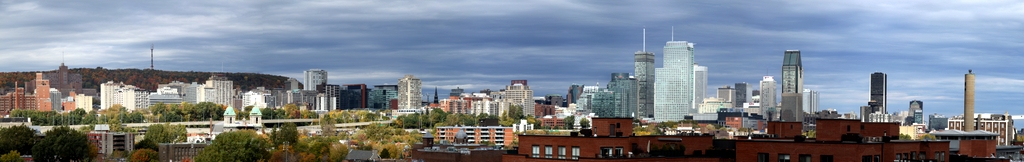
pixel 494 134
pixel 1001 124
pixel 109 142
pixel 180 151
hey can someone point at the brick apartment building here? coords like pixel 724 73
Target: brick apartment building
pixel 496 134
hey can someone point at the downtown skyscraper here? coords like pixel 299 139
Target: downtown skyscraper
pixel 792 86
pixel 700 84
pixel 673 89
pixel 769 98
pixel 621 98
pixel 313 77
pixel 643 69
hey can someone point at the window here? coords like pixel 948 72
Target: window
pixel 561 152
pixel 606 151
pixel 547 151
pixel 618 151
pixel 826 158
pixel 805 158
pixel 878 158
pixel 575 152
pixel 784 157
pixel 536 151
pixel 847 129
pixel 920 156
pixel 865 158
pixel 898 157
pixel 762 157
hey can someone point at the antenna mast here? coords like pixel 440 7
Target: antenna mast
pixel 645 40
pixel 151 57
pixel 673 33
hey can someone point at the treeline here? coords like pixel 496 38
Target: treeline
pixel 148 79
pixel 160 112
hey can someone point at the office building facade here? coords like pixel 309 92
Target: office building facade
pixel 381 96
pixel 643 70
pixel 878 90
pixel 792 86
pixel 519 93
pixel 624 89
pixel 673 88
pixel 768 97
pixel 700 84
pixel 810 101
pixel 742 94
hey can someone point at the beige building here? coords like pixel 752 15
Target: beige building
pixel 519 93
pixel 218 89
pixel 711 105
pixel 1001 124
pixel 409 92
pixel 129 96
pixel 83 102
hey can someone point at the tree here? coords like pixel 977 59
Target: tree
pixel 327 126
pixel 287 133
pixel 338 152
pixel 905 137
pixel 62 144
pixel 930 137
pixel 147 144
pixel 12 156
pixel 20 138
pixel 584 123
pixel 570 122
pixel 144 155
pixel 385 154
pixel 166 133
pixel 236 146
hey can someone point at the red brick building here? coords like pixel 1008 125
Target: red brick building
pixel 428 151
pixel 551 122
pixel 610 140
pixel 497 135
pixel 543 109
pixel 839 140
pixel 18 99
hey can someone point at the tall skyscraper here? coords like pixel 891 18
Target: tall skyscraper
pixel 700 84
pixel 643 69
pixel 878 89
pixel 768 97
pixel 314 77
pixel 917 108
pixel 742 94
pixel 810 101
pixel 573 96
pixel 624 89
pixel 673 87
pixel 409 92
pixel 792 86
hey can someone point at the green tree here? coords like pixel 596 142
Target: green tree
pixel 166 133
pixel 584 123
pixel 327 126
pixel 20 138
pixel 905 137
pixel 570 122
pixel 385 154
pixel 61 144
pixel 338 152
pixel 287 133
pixel 930 137
pixel 12 156
pixel 236 146
pixel 147 144
pixel 144 155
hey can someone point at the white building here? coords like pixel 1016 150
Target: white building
pixel 165 95
pixel 255 98
pixel 128 96
pixel 409 92
pixel 219 90
pixel 810 101
pixel 1001 124
pixel 673 86
pixel 314 77
pixel 769 97
pixel 700 84
pixel 711 105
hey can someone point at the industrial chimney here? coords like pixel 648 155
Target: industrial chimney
pixel 969 101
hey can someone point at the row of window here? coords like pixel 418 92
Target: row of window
pixel 561 152
pixel 765 157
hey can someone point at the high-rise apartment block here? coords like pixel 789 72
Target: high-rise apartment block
pixel 128 96
pixel 519 93
pixel 810 101
pixel 218 89
pixel 314 77
pixel 700 84
pixel 643 70
pixel 409 92
pixel 769 97
pixel 792 86
pixel 673 87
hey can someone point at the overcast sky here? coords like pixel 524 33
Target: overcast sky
pixel 924 46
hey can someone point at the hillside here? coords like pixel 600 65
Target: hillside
pixel 148 79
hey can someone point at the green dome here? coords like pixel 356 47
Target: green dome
pixel 255 112
pixel 229 112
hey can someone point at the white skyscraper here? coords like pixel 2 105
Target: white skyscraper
pixel 673 86
pixel 700 84
pixel 810 101
pixel 769 97
pixel 409 92
pixel 314 77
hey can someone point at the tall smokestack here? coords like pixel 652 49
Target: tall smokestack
pixel 969 101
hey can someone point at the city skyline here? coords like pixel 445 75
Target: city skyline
pixel 552 44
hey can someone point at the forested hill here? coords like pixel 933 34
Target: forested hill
pixel 148 79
